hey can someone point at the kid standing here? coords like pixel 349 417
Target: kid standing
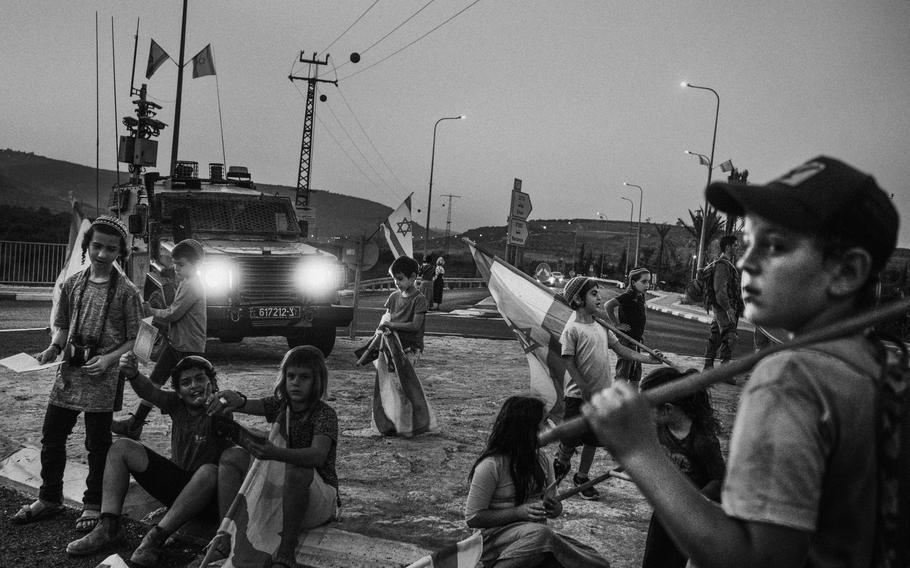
pixel 687 429
pixel 309 427
pixel 507 498
pixel 97 318
pixel 186 327
pixel 627 312
pixel 585 345
pixel 406 308
pixel 801 483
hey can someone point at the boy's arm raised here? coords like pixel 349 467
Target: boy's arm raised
pixel 620 416
pixel 146 389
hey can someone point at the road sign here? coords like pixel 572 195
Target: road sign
pixel 516 185
pixel 521 205
pixel 518 232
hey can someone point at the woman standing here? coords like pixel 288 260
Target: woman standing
pixel 438 283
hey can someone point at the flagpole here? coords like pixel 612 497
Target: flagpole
pixel 114 72
pixel 176 139
pixel 220 122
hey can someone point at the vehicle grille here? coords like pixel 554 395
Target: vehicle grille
pixel 267 278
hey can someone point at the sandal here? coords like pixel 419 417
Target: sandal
pixel 87 520
pixel 27 514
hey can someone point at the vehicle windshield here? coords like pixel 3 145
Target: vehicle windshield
pixel 230 213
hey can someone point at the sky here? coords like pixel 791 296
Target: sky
pixel 572 97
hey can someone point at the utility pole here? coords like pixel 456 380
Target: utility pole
pixel 302 200
pixel 449 220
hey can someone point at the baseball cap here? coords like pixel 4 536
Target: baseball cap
pixel 823 196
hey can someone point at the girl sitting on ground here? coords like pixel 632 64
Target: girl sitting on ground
pixel 507 498
pixel 310 429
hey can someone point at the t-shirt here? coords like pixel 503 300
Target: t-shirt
pixel 492 486
pixel 803 452
pixel 697 455
pixel 193 441
pixel 186 318
pixel 82 303
pixel 588 344
pixel 403 310
pixel 302 429
pixel 632 311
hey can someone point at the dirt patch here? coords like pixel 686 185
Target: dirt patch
pixel 410 490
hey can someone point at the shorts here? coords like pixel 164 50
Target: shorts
pixel 323 501
pixel 164 480
pixel 573 409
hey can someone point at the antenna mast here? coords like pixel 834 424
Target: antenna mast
pixel 302 201
pixel 449 220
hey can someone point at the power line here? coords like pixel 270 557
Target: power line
pixel 351 26
pixel 394 53
pixel 375 43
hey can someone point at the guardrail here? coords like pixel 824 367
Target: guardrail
pixel 386 284
pixel 30 263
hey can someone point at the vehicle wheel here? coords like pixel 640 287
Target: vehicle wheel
pixel 323 338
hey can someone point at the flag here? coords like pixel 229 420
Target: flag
pixel 113 561
pixel 400 406
pixel 203 62
pixel 398 230
pixel 727 166
pixel 74 262
pixel 703 160
pixel 157 56
pixel 462 554
pixel 537 319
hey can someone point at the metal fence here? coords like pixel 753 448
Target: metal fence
pixel 30 264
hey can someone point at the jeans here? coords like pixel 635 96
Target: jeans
pixel 58 425
pixel 722 339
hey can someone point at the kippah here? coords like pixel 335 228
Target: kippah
pixel 573 288
pixel 636 271
pixel 113 223
pixel 195 245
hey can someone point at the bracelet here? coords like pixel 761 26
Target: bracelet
pixel 242 404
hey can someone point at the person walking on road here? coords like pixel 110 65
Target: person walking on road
pixel 439 283
pixel 727 305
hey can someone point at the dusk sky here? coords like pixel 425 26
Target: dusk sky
pixel 573 97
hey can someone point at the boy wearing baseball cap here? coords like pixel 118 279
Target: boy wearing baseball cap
pixel 801 484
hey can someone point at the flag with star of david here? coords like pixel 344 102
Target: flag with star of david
pixel 536 317
pixel 398 230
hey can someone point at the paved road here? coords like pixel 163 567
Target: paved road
pixel 665 332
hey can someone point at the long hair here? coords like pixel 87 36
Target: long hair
pixel 514 436
pixel 696 406
pixel 308 357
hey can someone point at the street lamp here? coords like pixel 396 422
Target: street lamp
pixel 638 238
pixel 701 240
pixel 426 233
pixel 629 233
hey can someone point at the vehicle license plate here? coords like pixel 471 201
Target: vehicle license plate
pixel 275 312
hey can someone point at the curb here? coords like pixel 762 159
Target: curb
pixel 26 294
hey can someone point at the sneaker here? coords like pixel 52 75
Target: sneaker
pixel 95 541
pixel 148 553
pixel 590 493
pixel 128 428
pixel 560 470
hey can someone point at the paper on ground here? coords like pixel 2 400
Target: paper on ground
pixel 24 362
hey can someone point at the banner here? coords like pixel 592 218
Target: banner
pixel 537 320
pixel 157 56
pixel 204 63
pixel 74 262
pixel 398 230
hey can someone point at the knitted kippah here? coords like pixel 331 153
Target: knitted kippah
pixel 573 288
pixel 195 245
pixel 636 272
pixel 113 223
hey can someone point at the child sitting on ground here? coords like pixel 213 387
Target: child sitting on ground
pixel 687 429
pixel 627 312
pixel 585 350
pixel 309 427
pixel 186 327
pixel 507 498
pixel 186 483
pixel 801 487
pixel 97 318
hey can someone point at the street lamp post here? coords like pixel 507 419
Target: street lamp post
pixel 426 232
pixel 629 233
pixel 701 241
pixel 638 238
pixel 603 245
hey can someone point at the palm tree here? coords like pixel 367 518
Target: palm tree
pixel 662 232
pixel 713 228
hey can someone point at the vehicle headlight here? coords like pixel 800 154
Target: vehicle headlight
pixel 318 277
pixel 218 275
